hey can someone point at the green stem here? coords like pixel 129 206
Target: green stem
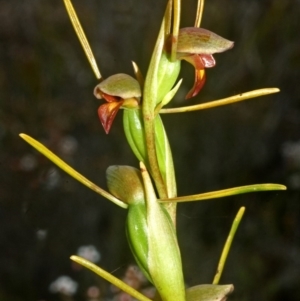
pixel 199 14
pixel 168 18
pixel 227 245
pixel 148 108
pixel 176 25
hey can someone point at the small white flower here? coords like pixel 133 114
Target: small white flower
pixel 291 152
pixel 41 234
pixel 53 178
pixel 68 145
pixel 89 252
pixel 64 285
pixel 93 292
pixel 28 162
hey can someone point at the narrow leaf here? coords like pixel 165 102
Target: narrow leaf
pixel 69 170
pixel 82 38
pixel 109 277
pixel 227 245
pixel 222 102
pixel 226 192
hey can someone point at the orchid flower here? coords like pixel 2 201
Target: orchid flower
pixel 197 46
pixel 150 193
pixel 119 90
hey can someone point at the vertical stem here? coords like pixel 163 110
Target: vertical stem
pixel 176 24
pixel 148 108
pixel 199 14
pixel 168 18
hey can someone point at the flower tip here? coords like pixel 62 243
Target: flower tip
pixel 107 113
pixel 198 84
pixel 97 92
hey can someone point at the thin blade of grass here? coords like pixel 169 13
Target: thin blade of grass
pixel 227 245
pixel 71 171
pixel 82 38
pixel 226 192
pixel 221 102
pixel 109 277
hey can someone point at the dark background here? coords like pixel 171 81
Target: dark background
pixel 46 89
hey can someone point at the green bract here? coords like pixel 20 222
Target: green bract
pixel 164 259
pixel 166 76
pixel 135 134
pixel 164 157
pixel 208 292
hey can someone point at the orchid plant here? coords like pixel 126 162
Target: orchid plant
pixel 149 193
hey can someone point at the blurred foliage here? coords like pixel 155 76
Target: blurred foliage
pixel 46 91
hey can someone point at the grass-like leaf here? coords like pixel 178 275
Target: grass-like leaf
pixel 226 192
pixel 221 102
pixel 227 245
pixel 109 277
pixel 82 38
pixel 71 171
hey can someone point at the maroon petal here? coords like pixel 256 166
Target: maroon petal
pixel 107 113
pixel 198 84
pixel 200 61
pixel 195 60
pixel 207 60
pixel 109 98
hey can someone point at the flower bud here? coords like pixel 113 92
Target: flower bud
pixel 209 292
pixel 125 183
pixel 150 231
